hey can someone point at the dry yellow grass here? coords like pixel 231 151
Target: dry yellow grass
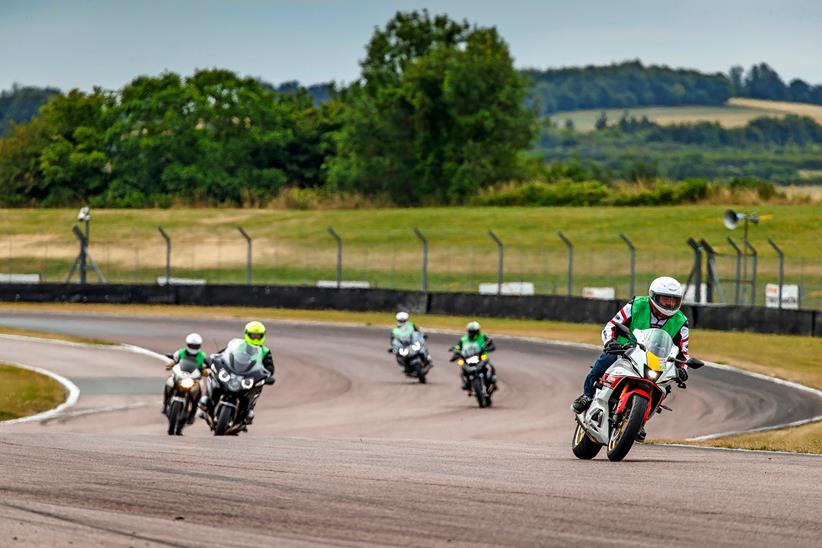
pixel 799 439
pixel 800 109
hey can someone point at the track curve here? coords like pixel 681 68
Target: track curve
pixel 346 450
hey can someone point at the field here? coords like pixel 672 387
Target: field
pixel 735 113
pixel 379 246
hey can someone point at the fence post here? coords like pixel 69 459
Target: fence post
pixel 738 268
pixel 696 271
pixel 424 258
pixel 501 250
pixel 248 255
pixel 781 268
pixel 570 262
pixel 632 251
pixel 168 254
pixel 755 257
pixel 80 261
pixel 339 254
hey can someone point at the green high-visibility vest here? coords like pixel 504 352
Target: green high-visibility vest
pixel 199 357
pixel 403 332
pixel 480 342
pixel 641 319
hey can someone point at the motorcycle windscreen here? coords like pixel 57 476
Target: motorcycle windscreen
pixel 658 345
pixel 188 364
pixel 470 349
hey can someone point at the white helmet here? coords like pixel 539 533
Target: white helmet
pixel 401 317
pixel 193 343
pixel 666 287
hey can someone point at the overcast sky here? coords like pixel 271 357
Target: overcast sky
pixel 76 43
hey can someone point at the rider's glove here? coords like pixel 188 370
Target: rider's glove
pixel 612 346
pixel 681 375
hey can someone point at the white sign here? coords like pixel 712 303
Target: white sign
pixel 20 278
pixel 162 280
pixel 690 294
pixel 352 284
pixel 508 288
pixel 606 293
pixel 790 296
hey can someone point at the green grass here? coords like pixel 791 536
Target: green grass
pixel 379 245
pixel 45 335
pixel 799 439
pixel 24 392
pixel 735 113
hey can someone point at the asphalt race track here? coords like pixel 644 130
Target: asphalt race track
pixel 347 451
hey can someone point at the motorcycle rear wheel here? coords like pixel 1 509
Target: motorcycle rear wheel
pixel 223 418
pixel 624 434
pixel 175 412
pixel 583 446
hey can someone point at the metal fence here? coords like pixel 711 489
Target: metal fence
pixel 414 260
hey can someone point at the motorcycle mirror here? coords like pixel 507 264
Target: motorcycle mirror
pixel 694 363
pixel 170 356
pixel 269 380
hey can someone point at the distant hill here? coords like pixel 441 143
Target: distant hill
pixel 21 103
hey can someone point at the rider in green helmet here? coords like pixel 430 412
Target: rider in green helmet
pixel 474 335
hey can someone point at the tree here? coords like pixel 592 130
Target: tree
pixel 437 114
pixel 602 121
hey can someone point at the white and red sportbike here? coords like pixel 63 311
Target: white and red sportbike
pixel 628 393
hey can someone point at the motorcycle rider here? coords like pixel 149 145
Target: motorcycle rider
pixel 254 336
pixel 403 331
pixel 660 309
pixel 192 352
pixel 475 335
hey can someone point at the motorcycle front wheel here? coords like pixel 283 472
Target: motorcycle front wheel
pixel 175 414
pixel 479 391
pixel 223 420
pixel 583 446
pixel 624 433
pixel 420 372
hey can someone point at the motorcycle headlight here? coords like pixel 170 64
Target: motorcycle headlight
pixel 473 359
pixel 403 351
pixel 234 384
pixel 247 383
pixel 223 375
pixel 187 383
pixel 415 346
pixel 651 374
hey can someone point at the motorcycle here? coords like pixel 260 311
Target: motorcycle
pixel 475 365
pixel 411 354
pixel 236 381
pixel 628 393
pixel 181 407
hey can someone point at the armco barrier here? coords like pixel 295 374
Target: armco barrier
pixel 539 307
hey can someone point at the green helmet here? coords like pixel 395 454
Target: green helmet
pixel 254 333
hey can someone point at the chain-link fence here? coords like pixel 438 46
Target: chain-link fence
pixel 397 262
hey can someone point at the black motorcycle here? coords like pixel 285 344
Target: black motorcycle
pixel 236 381
pixel 477 369
pixel 412 356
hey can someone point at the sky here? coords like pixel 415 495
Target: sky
pixel 86 43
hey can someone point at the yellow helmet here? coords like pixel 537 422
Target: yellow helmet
pixel 254 333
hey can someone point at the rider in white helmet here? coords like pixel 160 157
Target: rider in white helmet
pixel 402 331
pixel 191 352
pixel 659 309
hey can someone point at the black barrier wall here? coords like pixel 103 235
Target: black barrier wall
pixel 539 307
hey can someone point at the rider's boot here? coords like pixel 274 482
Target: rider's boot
pixel 640 436
pixel 581 403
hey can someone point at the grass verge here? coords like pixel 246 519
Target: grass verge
pixel 27 393
pixel 799 439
